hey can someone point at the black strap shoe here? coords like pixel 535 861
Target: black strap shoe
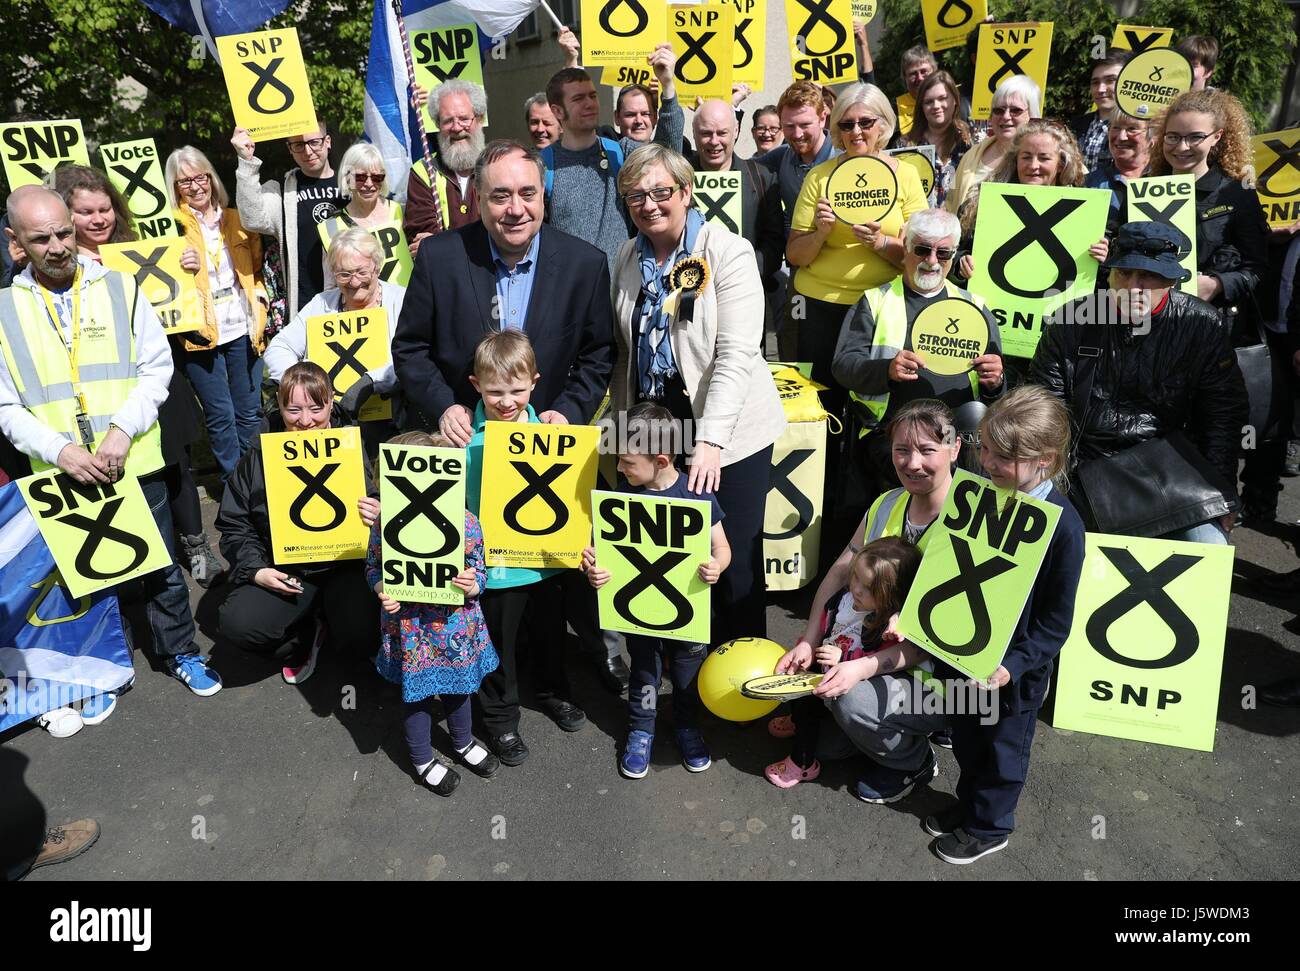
pixel 509 748
pixel 569 717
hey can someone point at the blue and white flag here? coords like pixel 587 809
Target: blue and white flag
pixel 54 649
pixel 216 18
pixel 389 117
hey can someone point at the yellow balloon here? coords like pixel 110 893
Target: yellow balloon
pixel 730 666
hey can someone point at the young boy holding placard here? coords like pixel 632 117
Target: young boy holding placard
pixel 1024 445
pixel 505 374
pixel 650 470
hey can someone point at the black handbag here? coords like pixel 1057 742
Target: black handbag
pixel 1267 385
pixel 1148 490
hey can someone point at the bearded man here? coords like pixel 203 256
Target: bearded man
pixel 460 107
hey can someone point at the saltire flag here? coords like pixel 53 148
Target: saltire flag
pixel 217 18
pixel 389 117
pixel 54 649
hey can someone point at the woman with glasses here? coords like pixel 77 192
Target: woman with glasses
pixel 226 259
pixel 363 182
pixel 837 262
pixel 766 129
pixel 1015 102
pixel 1206 134
pixel 353 263
pixel 688 310
pixel 938 123
pixel 1129 141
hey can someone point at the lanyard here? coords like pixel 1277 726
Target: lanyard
pixel 74 327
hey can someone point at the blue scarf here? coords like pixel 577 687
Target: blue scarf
pixel 655 361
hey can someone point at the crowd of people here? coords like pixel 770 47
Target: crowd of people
pixel 547 275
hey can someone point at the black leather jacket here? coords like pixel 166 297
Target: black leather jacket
pixel 1181 375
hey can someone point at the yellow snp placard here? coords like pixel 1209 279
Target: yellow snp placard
pixel 1168 199
pixel 313 482
pixel 33 149
pixel 820 34
pixel 621 75
pixel 267 82
pixel 1006 50
pixel 750 50
pixel 536 494
pixel 703 37
pixel 1145 653
pixel 622 31
pixel 1150 81
pixel 792 511
pixel 442 54
pixel 1138 39
pixel 718 198
pixel 422 522
pixel 864 10
pixel 156 266
pixel 1277 167
pixel 100 534
pixel 349 345
pixel 921 159
pixel 134 170
pixel 947 22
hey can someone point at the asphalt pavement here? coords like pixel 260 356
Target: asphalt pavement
pixel 269 781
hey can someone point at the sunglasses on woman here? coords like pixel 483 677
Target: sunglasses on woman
pixel 866 124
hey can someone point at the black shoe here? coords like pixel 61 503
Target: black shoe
pixel 613 674
pixel 943 823
pixel 569 717
pixel 509 748
pixel 1282 694
pixel 485 768
pixel 960 847
pixel 446 785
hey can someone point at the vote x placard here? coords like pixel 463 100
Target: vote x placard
pixel 653 549
pixel 718 198
pixel 1145 653
pixel 156 266
pixel 536 494
pixel 267 82
pixel 134 170
pixel 33 149
pixel 982 557
pixel 313 482
pixel 1169 199
pixel 348 345
pixel 100 534
pixel 422 522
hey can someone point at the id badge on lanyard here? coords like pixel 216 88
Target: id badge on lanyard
pixel 72 343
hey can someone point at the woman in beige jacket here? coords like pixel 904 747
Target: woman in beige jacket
pixel 220 357
pixel 688 308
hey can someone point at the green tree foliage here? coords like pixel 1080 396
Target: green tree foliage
pixel 67 59
pixel 1256 38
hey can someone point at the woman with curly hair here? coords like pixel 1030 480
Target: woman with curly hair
pixel 938 123
pixel 1044 152
pixel 1206 134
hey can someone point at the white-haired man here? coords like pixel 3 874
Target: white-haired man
pixel 460 107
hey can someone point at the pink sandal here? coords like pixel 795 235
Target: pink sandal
pixel 786 775
pixel 781 727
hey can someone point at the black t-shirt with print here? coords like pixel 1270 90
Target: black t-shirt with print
pixel 316 198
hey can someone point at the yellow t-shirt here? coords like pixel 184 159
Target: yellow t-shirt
pixel 845 269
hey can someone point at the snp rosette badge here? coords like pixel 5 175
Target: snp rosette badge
pixel 949 334
pixel 861 190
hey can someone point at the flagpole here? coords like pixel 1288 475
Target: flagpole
pixel 551 13
pixel 419 115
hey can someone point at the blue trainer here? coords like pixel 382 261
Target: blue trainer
pixel 695 754
pixel 635 763
pixel 193 672
pixel 96 709
pixel 881 785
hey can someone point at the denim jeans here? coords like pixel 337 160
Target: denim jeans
pixel 164 594
pixel 1200 533
pixel 684 663
pixel 223 379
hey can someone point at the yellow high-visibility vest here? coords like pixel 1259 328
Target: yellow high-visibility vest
pixel 104 371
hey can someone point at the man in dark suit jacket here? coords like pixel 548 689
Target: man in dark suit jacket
pixel 452 302
pixel 509 270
